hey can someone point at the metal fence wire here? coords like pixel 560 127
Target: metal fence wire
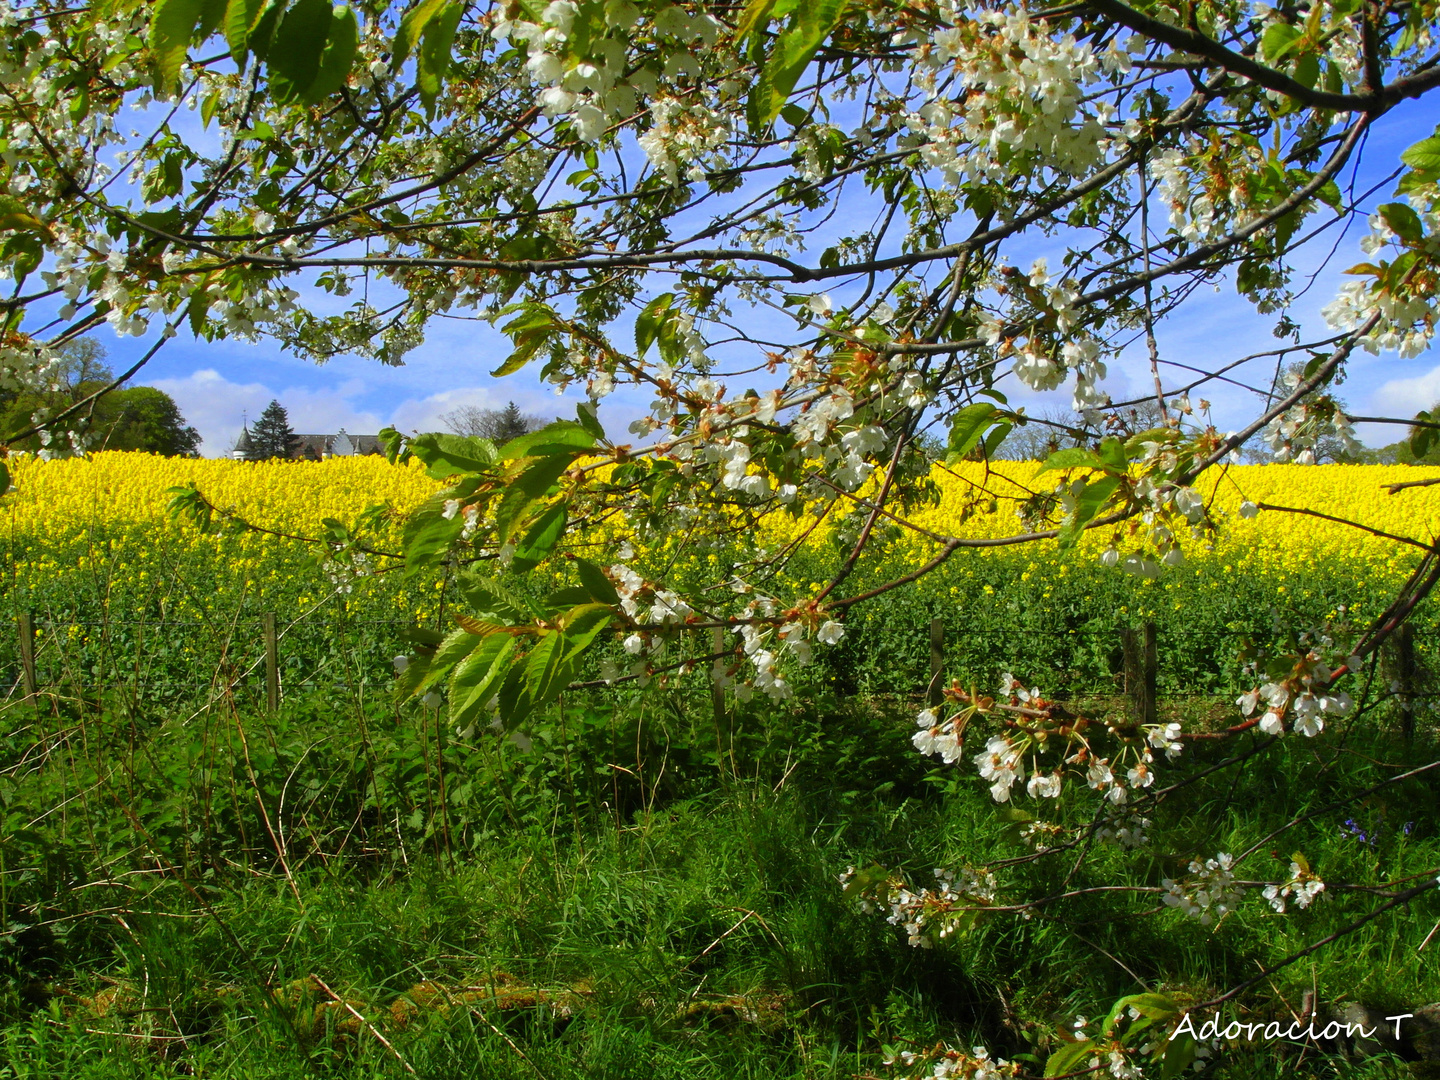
pixel 264 656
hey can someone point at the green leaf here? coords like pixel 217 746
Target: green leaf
pixel 582 625
pixel 1280 40
pixel 428 534
pixel 1150 1006
pixel 794 49
pixel 561 437
pixel 514 702
pixel 171 26
pixel 1422 438
pixel 762 96
pixel 600 588
pixel 540 540
pixel 542 666
pixel 396 452
pixel 966 427
pixel 1403 222
pixel 428 640
pixel 4 478
pixel 1069 1058
pixel 212 14
pixel 531 331
pixel 533 484
pixel 1072 457
pixel 241 16
pixel 459 644
pixel 294 57
pixel 335 62
pixel 1153 1006
pixel 754 17
pixel 474 678
pixel 568 597
pixel 432 63
pixel 1330 195
pixel 446 455
pixel 261 38
pixel 1307 70
pixel 1424 156
pixel 163 181
pixel 491 600
pixel 1112 453
pixel 585 415
pixel 412 26
pixel 796 117
pixel 1087 504
pixel 1179 1053
pixel 648 322
pixel 1414 181
pixel 209 107
pixel 996 437
pixel 15 216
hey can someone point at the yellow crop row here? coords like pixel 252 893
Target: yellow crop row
pixel 58 509
pixel 117 486
pixel 1354 492
pixel 102 525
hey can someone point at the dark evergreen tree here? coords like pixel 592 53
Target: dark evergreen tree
pixel 271 436
pixel 510 424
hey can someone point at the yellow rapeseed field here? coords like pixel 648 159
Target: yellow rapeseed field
pixel 104 520
pixel 1355 492
pixel 102 523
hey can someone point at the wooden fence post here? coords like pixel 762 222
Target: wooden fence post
pixel 1141 671
pixel 935 692
pixel 1405 675
pixel 272 663
pixel 27 656
pixel 717 692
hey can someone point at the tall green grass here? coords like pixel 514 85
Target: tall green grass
pixel 645 892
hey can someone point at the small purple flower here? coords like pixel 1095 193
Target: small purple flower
pixel 1356 832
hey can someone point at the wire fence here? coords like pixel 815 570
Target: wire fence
pixel 264 658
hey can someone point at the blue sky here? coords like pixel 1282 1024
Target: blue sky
pixel 218 385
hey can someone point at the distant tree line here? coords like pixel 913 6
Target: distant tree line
pixel 137 418
pixel 497 425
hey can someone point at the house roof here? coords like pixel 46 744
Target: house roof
pixel 320 445
pixel 316 446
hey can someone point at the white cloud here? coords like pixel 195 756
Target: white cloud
pixel 218 407
pixel 1400 398
pixel 1406 397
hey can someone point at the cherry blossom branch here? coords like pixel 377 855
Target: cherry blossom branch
pixel 1375 101
pixel 1400 900
pixel 1352 524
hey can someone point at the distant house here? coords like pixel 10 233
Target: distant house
pixel 317 447
pixel 341 444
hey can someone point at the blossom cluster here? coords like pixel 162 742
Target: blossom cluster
pixel 1408 308
pixel 1040 362
pixel 1306 697
pixel 947 1063
pixel 1020 95
pixel 1209 892
pixel 928 916
pixel 1294 433
pixel 1034 732
pixel 1300 889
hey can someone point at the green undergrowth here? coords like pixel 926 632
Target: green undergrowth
pixel 646 890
